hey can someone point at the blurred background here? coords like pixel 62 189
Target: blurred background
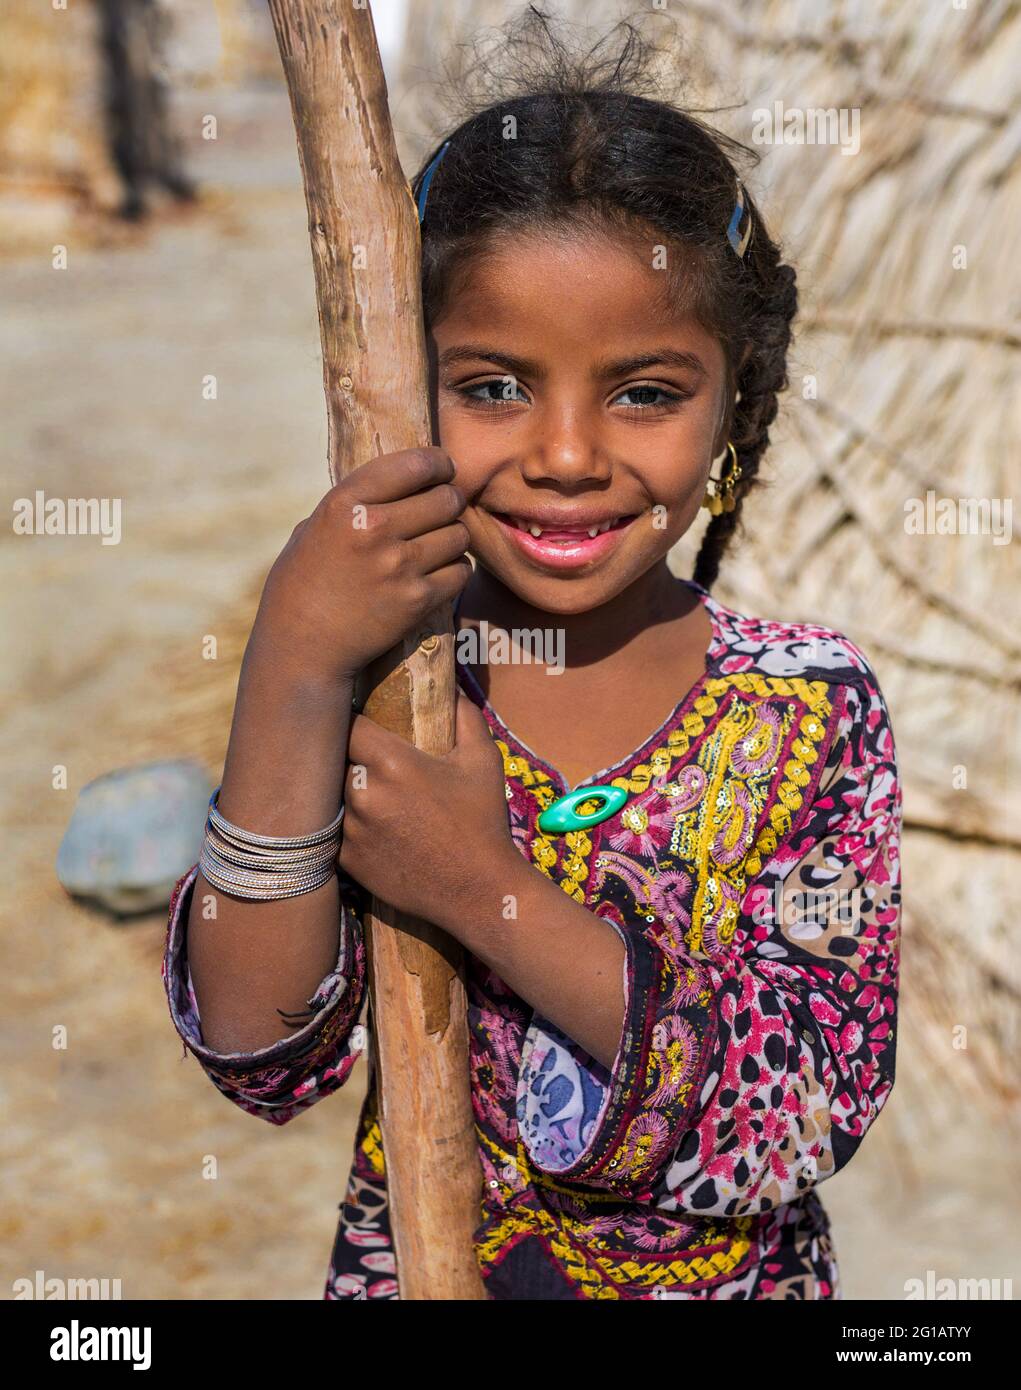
pixel 161 347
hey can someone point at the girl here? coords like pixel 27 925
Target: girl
pixel 688 1022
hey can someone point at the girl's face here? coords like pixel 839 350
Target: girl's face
pixel 571 397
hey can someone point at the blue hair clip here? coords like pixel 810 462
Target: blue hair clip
pixel 427 178
pixel 739 241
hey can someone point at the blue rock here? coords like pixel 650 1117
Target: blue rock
pixel 133 833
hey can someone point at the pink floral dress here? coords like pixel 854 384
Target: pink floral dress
pixel 754 877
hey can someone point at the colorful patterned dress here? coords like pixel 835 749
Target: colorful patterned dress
pixel 754 877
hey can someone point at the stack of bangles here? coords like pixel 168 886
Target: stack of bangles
pixel 264 867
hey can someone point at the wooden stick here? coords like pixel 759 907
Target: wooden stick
pixel 366 256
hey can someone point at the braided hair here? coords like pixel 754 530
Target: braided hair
pixel 576 140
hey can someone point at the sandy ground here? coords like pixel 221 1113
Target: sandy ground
pixel 105 1142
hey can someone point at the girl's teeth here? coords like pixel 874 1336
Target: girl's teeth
pixel 593 531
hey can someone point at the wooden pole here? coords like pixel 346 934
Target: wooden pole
pixel 366 256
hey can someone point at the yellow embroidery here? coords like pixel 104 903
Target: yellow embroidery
pixel 600 1275
pixel 371 1146
pixel 709 832
pixel 720 818
pixel 515 767
pixel 660 759
pixel 579 1249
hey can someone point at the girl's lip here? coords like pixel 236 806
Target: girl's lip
pixel 559 551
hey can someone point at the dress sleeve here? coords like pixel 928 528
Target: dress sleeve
pixel 745 1076
pixel 279 1081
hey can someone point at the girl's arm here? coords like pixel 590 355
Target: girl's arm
pixel 279 1081
pixel 252 962
pixel 381 552
pixel 566 961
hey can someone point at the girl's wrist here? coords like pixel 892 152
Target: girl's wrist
pixel 275 663
pixel 284 771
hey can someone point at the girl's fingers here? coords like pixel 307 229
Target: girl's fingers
pixel 436 549
pixel 366 741
pixel 395 476
pixel 381 752
pixel 426 511
pixel 445 584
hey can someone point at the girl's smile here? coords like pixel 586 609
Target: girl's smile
pixel 563 539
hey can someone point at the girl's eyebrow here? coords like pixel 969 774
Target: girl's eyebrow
pixel 520 366
pixel 661 357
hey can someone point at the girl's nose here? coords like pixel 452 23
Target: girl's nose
pixel 566 449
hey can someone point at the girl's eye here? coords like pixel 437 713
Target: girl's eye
pixel 644 397
pixel 495 392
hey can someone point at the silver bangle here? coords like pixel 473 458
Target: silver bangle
pixel 266 867
pixel 249 837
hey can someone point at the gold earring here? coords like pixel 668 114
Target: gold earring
pixel 723 499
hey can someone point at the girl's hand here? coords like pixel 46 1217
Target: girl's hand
pixel 429 834
pixel 381 551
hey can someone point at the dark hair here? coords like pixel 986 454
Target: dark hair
pixel 576 140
